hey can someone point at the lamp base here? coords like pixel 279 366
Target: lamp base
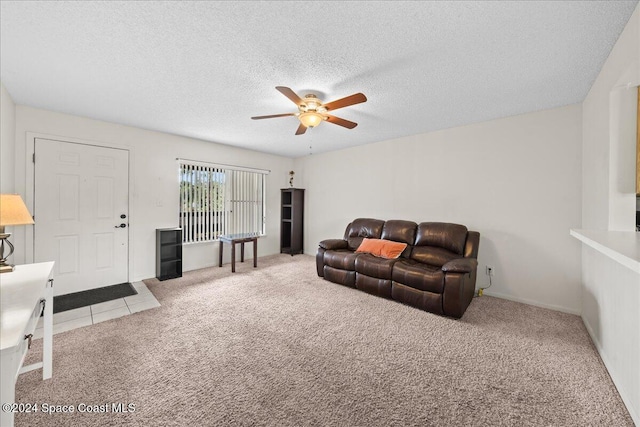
pixel 6 268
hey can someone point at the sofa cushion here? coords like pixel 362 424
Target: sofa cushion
pixel 342 259
pixel 400 231
pixel 419 276
pixel 451 237
pixel 380 268
pixel 381 248
pixel 372 285
pixel 432 255
pixel 343 277
pixel 428 301
pixel 361 228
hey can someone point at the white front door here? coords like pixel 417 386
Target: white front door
pixel 81 200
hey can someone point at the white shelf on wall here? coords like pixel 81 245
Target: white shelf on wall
pixel 621 246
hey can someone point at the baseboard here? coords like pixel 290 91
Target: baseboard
pixel 612 374
pixel 534 303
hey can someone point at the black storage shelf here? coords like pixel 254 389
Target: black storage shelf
pixel 291 222
pixel 168 253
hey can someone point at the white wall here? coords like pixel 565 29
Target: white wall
pixel 610 302
pixel 154 202
pixel 610 291
pixel 515 180
pixel 608 128
pixel 623 102
pixel 7 138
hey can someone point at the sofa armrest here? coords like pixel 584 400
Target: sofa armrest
pixel 330 244
pixel 461 265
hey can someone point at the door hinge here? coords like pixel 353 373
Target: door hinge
pixel 33 157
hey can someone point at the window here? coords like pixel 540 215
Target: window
pixel 220 199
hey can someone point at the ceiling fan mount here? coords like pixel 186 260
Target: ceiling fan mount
pixel 312 111
pixel 311 103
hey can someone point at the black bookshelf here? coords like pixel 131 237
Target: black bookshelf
pixel 292 221
pixel 168 253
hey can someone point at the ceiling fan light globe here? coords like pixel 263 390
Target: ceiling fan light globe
pixel 310 119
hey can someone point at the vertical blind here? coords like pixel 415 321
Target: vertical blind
pixel 219 199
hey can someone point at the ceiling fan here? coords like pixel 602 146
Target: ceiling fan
pixel 312 112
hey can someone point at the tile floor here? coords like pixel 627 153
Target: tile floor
pixel 90 315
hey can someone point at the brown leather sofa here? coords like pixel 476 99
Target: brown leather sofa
pixel 436 272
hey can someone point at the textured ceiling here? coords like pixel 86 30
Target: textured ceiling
pixel 202 69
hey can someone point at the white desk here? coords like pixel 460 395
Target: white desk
pixel 22 295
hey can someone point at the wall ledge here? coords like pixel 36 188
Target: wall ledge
pixel 621 246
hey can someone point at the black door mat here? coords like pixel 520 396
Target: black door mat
pixel 92 296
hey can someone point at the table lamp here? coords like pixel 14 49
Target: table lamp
pixel 12 212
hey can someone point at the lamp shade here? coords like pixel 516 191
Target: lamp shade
pixel 13 211
pixel 310 119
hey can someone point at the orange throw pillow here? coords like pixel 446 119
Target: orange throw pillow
pixel 371 246
pixel 381 248
pixel 392 250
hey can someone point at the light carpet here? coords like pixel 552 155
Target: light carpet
pixel 279 346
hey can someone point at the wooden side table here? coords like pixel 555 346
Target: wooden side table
pixel 241 238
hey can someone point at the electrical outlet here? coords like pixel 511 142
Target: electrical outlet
pixel 489 271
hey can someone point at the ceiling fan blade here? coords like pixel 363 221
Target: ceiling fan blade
pixel 290 94
pixel 341 122
pixel 301 129
pixel 272 116
pixel 356 98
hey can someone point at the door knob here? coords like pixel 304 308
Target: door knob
pixel 123 225
pixel 123 216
